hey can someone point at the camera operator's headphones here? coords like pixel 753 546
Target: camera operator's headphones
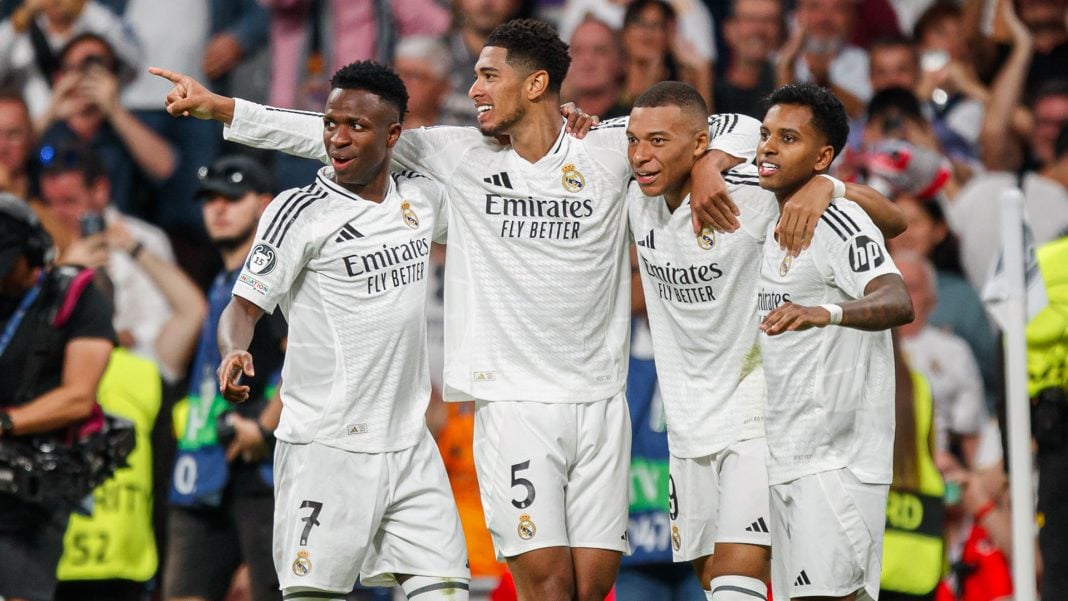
pixel 37 247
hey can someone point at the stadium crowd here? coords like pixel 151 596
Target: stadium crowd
pixel 950 102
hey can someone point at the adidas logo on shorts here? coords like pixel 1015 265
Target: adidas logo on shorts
pixel 802 579
pixel 758 526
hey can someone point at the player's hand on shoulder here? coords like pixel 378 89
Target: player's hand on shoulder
pixel 710 201
pixel 233 366
pixel 801 214
pixel 789 317
pixel 579 122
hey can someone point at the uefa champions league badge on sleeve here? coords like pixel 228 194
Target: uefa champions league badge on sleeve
pixel 784 267
pixel 572 180
pixel 410 218
pixel 302 564
pixel 526 529
pixel 707 238
pixel 262 259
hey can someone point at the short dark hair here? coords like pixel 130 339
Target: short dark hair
pixel 935 14
pixel 895 100
pixel 72 157
pixel 674 93
pixel 114 64
pixel 633 11
pixel 1050 87
pixel 376 79
pixel 535 45
pixel 828 114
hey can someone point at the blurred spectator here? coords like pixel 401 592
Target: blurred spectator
pixel 1045 20
pixel 655 53
pixel 949 83
pixel 951 370
pixel 30 41
pixel 16 145
pixel 473 21
pixel 958 307
pixel 979 536
pixel 85 109
pixel 49 372
pixel 77 190
pixel 913 545
pixel 694 44
pixel 974 215
pixel 1047 366
pixel 221 496
pixel 594 82
pixel 818 51
pixel 223 40
pixel 312 38
pixel 893 63
pixel 753 32
pixel 111 554
pixel 422 62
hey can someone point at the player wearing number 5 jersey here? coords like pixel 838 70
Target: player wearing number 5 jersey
pixel 830 409
pixel 360 487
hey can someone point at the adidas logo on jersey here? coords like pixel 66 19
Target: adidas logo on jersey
pixel 347 233
pixel 802 579
pixel 758 526
pixel 499 179
pixel 647 242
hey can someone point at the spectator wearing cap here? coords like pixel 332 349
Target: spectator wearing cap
pixel 75 187
pixel 85 108
pixel 49 372
pixel 30 66
pixel 221 503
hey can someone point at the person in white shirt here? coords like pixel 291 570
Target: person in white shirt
pixel 829 417
pixel 536 294
pixel 698 294
pixel 361 489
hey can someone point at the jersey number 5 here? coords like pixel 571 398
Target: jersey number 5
pixel 526 484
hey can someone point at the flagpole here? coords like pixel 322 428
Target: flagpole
pixel 1018 405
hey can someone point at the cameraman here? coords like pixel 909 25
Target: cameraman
pixel 55 342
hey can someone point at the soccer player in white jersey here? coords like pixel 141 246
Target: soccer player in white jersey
pixel 536 295
pixel 829 365
pixel 360 487
pixel 699 292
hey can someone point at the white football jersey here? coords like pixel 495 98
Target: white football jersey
pixel 350 277
pixel 537 302
pixel 830 390
pixel 699 292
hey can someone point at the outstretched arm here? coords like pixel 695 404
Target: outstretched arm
pixel 886 304
pixel 236 327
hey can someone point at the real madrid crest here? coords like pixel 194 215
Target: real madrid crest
pixel 410 217
pixel 572 180
pixel 676 538
pixel 526 529
pixel 784 267
pixel 302 564
pixel 707 238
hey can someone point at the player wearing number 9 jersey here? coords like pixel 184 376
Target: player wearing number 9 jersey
pixel 361 490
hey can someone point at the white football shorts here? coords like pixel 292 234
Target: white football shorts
pixel 554 474
pixel 340 514
pixel 827 535
pixel 721 497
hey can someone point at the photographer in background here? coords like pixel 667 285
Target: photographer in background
pixel 221 493
pixel 54 346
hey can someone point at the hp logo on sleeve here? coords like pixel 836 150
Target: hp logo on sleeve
pixel 865 254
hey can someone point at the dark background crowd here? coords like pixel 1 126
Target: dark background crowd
pixel 951 102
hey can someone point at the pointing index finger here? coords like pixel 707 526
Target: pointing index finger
pixel 166 74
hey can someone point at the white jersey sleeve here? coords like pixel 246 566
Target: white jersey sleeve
pixel 299 133
pixel 283 246
pixel 438 151
pixel 734 134
pixel 855 253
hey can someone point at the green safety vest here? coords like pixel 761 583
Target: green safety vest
pixel 1047 333
pixel 117 541
pixel 914 544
